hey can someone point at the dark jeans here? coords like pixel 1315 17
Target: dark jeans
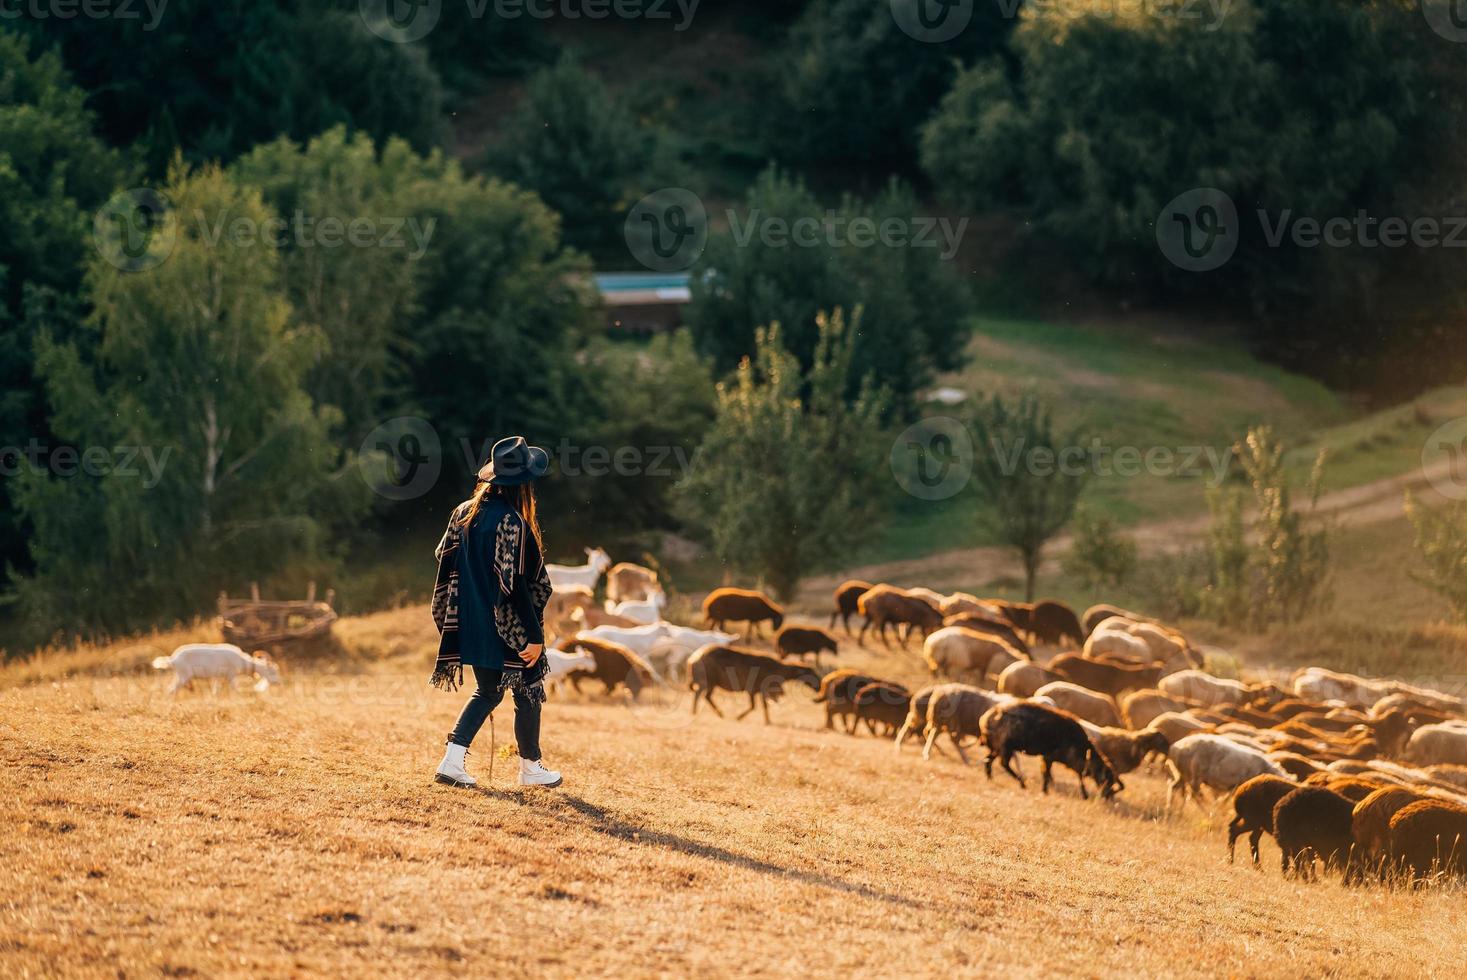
pixel 485 700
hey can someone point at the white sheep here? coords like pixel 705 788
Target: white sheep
pixel 215 661
pixel 1202 687
pixel 1319 684
pixel 1214 761
pixel 564 576
pixel 1094 707
pixel 1117 644
pixel 648 610
pixel 1434 745
pixel 1176 725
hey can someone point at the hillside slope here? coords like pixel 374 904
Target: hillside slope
pixel 299 831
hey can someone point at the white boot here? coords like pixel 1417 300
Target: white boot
pixel 451 770
pixel 534 774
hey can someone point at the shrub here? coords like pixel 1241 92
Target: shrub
pixel 1100 556
pixel 1441 537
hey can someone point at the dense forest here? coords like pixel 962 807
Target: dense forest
pixel 246 243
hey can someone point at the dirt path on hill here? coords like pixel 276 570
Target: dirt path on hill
pixel 1368 503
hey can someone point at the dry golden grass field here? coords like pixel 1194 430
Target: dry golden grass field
pixel 299 832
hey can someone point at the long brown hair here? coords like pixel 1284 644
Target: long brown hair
pixel 521 500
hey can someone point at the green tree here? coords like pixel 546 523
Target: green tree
pixel 1441 537
pixel 1029 476
pixel 194 363
pixel 1100 555
pixel 54 174
pixel 581 151
pixel 790 473
pixel 912 302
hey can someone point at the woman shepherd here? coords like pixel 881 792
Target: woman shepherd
pixel 489 605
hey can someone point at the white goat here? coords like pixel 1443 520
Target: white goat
pixel 215 661
pixel 562 664
pixel 564 576
pixel 648 610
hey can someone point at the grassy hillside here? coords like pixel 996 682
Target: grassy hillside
pixel 300 832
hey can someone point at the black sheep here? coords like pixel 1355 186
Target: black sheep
pixel 1051 734
pixel 1253 804
pixel 1313 822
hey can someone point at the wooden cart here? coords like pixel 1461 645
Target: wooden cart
pixel 254 622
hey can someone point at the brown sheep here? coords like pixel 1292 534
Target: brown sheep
pixel 1099 613
pixel 1448 773
pixel 628 582
pixel 882 703
pixel 985 624
pixel 916 720
pixel 1314 822
pixel 1429 837
pixel 838 691
pixel 761 677
pixel 1253 804
pixel 1051 734
pixel 963 603
pixel 1139 708
pixel 1296 765
pixel 847 594
pixel 956 709
pixel 1105 678
pixel 1023 679
pixel 564 601
pixel 886 604
pixel 1371 824
pixel 1020 614
pixel 1126 750
pixel 799 641
pixel 592 617
pixel 741 606
pixel 1352 788
pixel 615 664
pixel 1053 622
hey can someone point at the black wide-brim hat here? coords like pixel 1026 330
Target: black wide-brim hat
pixel 513 461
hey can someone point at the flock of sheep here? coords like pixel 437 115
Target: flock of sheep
pixel 1366 776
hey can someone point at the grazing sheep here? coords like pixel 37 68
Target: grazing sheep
pixel 1314 822
pixel 1098 709
pixel 886 604
pixel 627 582
pixel 798 641
pixel 1024 679
pixel 646 611
pixel 1429 837
pixel 1214 761
pixel 216 661
pixel 1126 750
pixel 1296 765
pixel 992 627
pixel 565 601
pixel 1051 734
pixel 1124 646
pixel 1105 678
pixel 1177 725
pixel 615 665
pixel 1320 684
pixel 1434 745
pixel 563 577
pixel 1352 788
pixel 1021 614
pixel 1371 823
pixel 1194 685
pixel 882 703
pixel 837 691
pixel 1455 775
pixel 591 618
pixel 929 596
pixel 1253 804
pixel 1140 708
pixel 741 606
pixel 963 604
pixel 560 664
pixel 1405 702
pixel 1053 623
pixel 916 720
pixel 1163 643
pixel 847 596
pixel 1100 612
pixel 732 669
pixel 955 650
pixel 957 710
